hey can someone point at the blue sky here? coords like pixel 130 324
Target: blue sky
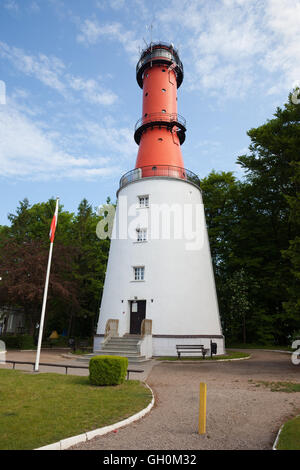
pixel 71 101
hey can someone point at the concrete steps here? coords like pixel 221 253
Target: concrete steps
pixel 125 346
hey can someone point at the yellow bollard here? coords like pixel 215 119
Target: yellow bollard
pixel 202 409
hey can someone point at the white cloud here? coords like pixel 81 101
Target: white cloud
pixel 48 70
pixel 28 151
pixel 52 72
pixel 91 31
pixel 11 5
pixel 118 139
pixel 92 91
pixel 230 46
pixel 34 7
pixel 283 55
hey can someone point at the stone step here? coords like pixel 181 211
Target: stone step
pixel 114 341
pixel 112 347
pixel 131 358
pixel 122 343
pixel 116 352
pixel 129 336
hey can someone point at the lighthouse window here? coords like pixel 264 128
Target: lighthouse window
pixel 146 94
pixel 141 234
pixel 144 201
pixel 163 70
pixel 163 111
pixel 163 89
pixel 139 273
pixel 160 139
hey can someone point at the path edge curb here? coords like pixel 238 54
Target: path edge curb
pixel 277 438
pixel 279 432
pixel 87 436
pixel 201 361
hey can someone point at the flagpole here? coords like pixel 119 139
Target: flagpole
pixel 38 353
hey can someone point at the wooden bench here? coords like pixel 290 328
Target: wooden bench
pixel 191 348
pixel 66 366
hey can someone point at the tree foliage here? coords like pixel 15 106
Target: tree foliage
pixel 77 270
pixel 254 232
pixel 254 229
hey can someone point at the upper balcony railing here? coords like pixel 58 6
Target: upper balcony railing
pixel 161 117
pixel 158 120
pixel 159 53
pixel 164 171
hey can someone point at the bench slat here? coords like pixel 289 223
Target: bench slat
pixel 188 348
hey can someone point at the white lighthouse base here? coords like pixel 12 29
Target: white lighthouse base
pixel 177 292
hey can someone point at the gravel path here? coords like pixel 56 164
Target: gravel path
pixel 240 414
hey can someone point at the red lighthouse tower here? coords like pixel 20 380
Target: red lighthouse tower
pixel 159 290
pixel 161 130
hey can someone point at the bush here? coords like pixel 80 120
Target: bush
pixel 61 342
pixel 18 341
pixel 107 370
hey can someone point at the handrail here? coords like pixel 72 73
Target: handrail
pixel 164 51
pixel 111 327
pixel 66 366
pixel 146 327
pixel 167 171
pixel 159 53
pixel 162 117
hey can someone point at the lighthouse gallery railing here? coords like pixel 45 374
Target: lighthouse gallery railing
pixel 165 171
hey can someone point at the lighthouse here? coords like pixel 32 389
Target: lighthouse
pixel 159 287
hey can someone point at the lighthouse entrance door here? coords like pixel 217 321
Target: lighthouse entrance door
pixel 137 315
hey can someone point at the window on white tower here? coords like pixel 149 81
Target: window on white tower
pixel 141 234
pixel 139 273
pixel 144 201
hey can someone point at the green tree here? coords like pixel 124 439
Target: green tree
pixel 267 228
pixel 77 270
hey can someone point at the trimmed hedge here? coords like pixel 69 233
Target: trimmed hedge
pixel 18 341
pixel 107 370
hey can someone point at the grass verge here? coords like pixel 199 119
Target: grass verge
pixel 289 438
pixel 36 410
pixel 259 346
pixel 229 355
pixel 287 387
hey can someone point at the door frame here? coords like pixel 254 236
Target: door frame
pixel 132 313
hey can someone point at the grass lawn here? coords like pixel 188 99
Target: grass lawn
pixel 36 410
pixel 259 346
pixel 289 438
pixel 287 387
pixel 229 355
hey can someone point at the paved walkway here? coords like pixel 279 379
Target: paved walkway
pixel 64 357
pixel 241 412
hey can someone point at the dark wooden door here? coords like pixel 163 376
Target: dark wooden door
pixel 137 315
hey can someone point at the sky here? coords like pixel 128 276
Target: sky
pixel 69 99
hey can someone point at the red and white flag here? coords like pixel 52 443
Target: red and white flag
pixel 53 223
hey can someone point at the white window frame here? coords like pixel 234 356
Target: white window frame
pixel 142 235
pixel 145 203
pixel 138 273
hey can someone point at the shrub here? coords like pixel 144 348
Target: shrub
pixel 26 342
pixel 18 341
pixel 60 342
pixel 107 370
